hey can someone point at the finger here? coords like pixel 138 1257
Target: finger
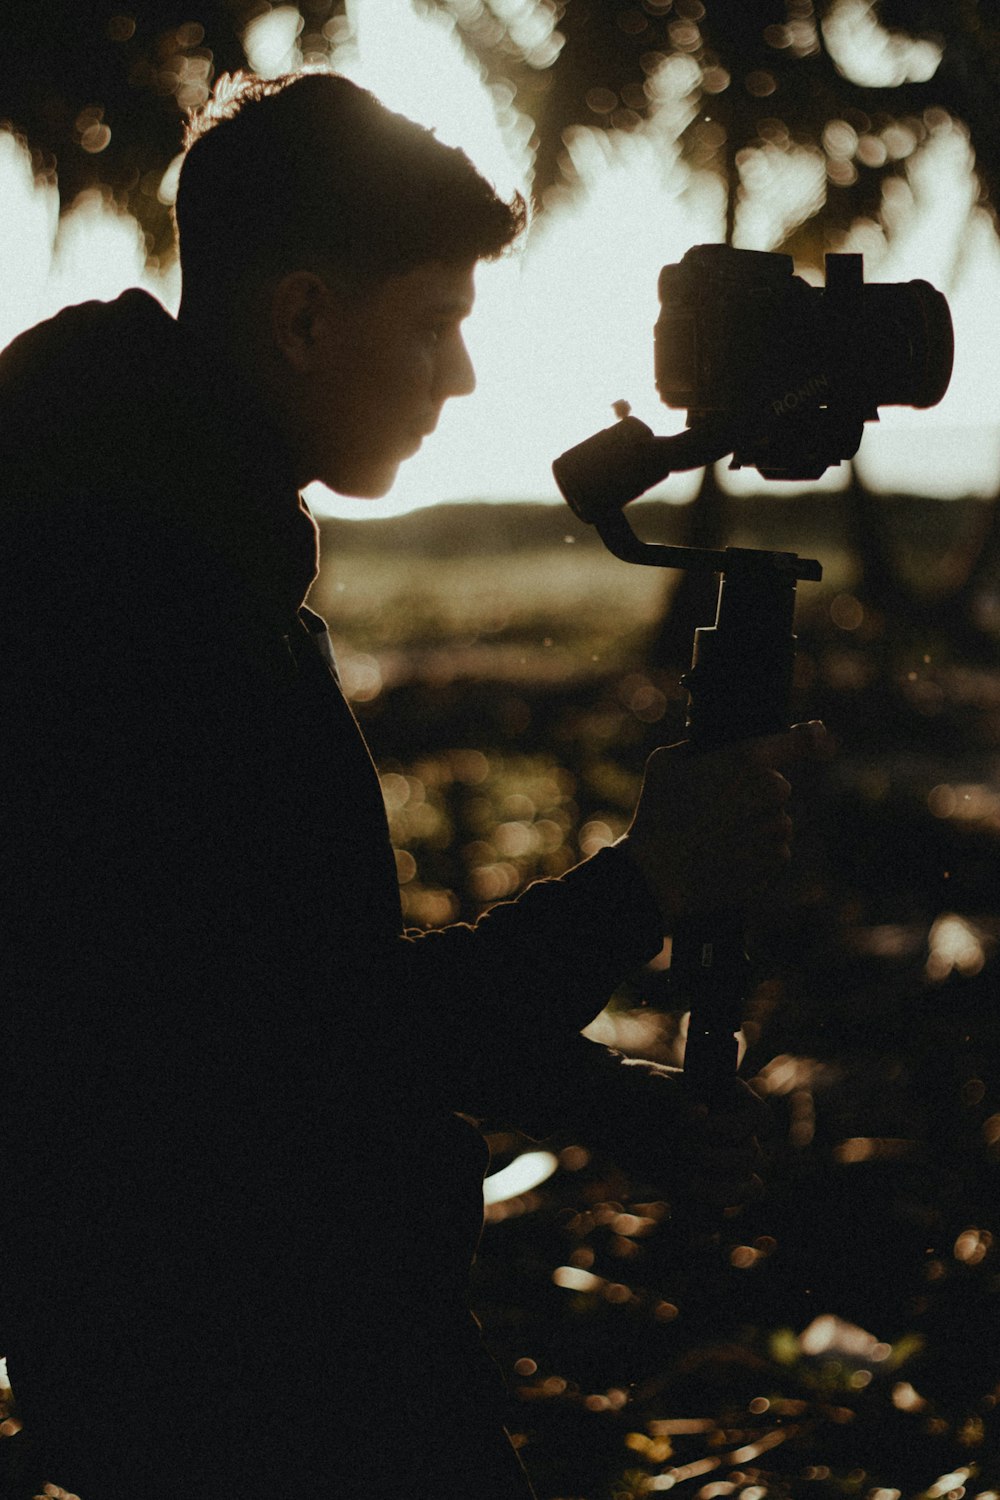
pixel 809 741
pixel 736 1112
pixel 774 789
pixel 751 787
pixel 763 792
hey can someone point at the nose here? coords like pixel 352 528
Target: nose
pixel 456 375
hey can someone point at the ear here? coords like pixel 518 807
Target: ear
pixel 301 311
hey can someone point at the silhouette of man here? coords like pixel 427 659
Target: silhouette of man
pixel 241 1187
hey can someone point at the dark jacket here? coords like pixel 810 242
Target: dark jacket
pixel 212 1016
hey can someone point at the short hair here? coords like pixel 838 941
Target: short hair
pixel 309 171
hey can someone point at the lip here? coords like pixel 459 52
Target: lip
pixel 415 435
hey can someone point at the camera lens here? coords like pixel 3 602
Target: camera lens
pixel 909 343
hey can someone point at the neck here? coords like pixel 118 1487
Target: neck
pixel 232 359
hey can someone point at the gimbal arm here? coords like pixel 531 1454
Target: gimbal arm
pixel 739 687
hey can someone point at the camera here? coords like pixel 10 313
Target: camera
pixel 780 374
pixel 783 376
pixel 798 368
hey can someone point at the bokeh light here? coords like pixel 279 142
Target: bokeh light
pixel 527 1171
pixel 873 56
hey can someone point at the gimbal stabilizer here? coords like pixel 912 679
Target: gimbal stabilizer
pixel 739 684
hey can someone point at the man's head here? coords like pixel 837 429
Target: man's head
pixel 332 243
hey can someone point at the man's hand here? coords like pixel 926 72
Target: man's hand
pixel 711 830
pixel 661 1133
pixel 723 1148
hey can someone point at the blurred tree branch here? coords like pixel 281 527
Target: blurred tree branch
pixel 135 67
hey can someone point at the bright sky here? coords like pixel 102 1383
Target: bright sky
pixel 564 328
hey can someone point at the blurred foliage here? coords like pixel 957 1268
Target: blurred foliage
pixel 769 76
pixel 99 88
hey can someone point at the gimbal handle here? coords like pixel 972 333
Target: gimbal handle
pixel 739 686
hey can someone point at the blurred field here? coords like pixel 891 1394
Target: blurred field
pixel 526 574
pixel 488 579
pixel 840 1337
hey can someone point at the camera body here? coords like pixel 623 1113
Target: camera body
pixel 799 369
pixel 779 374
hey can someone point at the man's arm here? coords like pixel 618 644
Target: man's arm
pixel 500 1004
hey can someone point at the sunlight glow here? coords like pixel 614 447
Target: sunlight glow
pixel 415 62
pixel 872 57
pixel 526 27
pixel 98 248
pixel 935 229
pixel 27 231
pixel 47 262
pixel 270 41
pixel 781 186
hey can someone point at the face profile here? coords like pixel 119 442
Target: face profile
pixel 335 279
pixel 370 372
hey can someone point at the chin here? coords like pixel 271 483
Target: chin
pixel 365 484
